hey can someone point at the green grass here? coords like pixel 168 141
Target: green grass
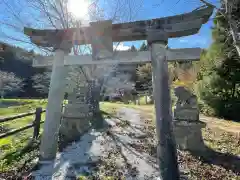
pixel 10 145
pixel 24 106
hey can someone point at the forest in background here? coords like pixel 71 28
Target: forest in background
pixel 218 73
pixel 19 62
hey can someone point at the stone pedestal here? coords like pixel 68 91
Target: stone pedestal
pixel 72 128
pixel 187 126
pixel 188 135
pixel 74 123
pixel 76 116
pixel 186 114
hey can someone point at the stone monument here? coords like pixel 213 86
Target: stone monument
pixel 187 126
pixel 77 115
pixel 186 105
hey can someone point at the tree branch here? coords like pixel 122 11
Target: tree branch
pixel 232 24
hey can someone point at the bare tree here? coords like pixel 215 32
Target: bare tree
pixel 56 14
pixel 103 76
pixel 9 82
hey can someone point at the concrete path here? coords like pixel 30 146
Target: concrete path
pixel 124 149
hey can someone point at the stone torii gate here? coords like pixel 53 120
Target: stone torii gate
pixel 156 32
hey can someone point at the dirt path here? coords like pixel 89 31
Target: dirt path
pixel 125 149
pixel 217 124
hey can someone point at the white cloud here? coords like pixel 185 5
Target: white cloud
pixel 121 47
pixel 194 40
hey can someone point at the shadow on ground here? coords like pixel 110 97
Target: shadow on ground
pixel 78 157
pixel 74 159
pixel 20 162
pixel 225 160
pixel 83 157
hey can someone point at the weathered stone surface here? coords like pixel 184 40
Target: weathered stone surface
pixel 186 125
pixel 77 105
pixel 76 99
pixel 78 113
pixel 76 119
pixel 79 102
pixel 186 99
pixel 74 124
pixel 76 108
pixel 72 128
pixel 186 114
pixel 77 96
pixel 186 107
pixel 188 135
pixel 77 88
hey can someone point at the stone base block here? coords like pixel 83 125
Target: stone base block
pixel 72 129
pixel 188 135
pixel 186 114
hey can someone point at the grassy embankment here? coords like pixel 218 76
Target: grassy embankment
pixel 11 147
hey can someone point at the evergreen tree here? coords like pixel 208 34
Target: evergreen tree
pixel 144 77
pixel 144 73
pixel 133 49
pixel 143 47
pixel 219 85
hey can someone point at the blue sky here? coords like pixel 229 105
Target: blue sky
pixel 148 9
pixel 162 8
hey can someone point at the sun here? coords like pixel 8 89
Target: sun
pixel 78 8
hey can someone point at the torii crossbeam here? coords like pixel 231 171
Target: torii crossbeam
pixel 124 57
pixel 175 26
pixel 156 32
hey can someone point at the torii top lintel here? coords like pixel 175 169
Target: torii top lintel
pixel 175 26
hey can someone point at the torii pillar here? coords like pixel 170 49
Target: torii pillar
pixel 54 107
pixel 166 146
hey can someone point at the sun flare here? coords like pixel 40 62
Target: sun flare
pixel 78 8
